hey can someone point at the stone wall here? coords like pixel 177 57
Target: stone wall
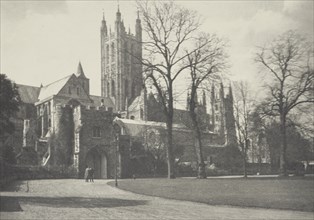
pixel 85 121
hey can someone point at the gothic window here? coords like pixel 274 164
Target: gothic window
pixel 133 90
pixel 217 118
pixel 78 91
pixel 216 107
pixel 113 89
pixel 112 52
pixel 96 131
pixel 126 52
pixel 108 89
pixel 107 54
pixel 49 123
pixel 38 111
pixel 126 87
pixel 141 113
pixel 49 108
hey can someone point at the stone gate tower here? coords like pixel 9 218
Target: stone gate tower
pixel 121 56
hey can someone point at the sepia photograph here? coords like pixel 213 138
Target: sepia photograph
pixel 156 109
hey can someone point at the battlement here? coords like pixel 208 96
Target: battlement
pixel 83 107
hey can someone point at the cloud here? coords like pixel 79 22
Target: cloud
pixel 18 10
pixel 302 13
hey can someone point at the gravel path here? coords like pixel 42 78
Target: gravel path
pixel 76 199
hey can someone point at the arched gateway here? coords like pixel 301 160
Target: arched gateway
pixel 97 159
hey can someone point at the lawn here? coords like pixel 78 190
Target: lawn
pixel 291 193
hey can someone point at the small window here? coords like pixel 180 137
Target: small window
pixel 69 90
pixel 96 132
pixel 78 91
pixel 216 107
pixel 113 89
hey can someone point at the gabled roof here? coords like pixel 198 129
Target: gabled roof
pixel 107 101
pixel 136 103
pixel 53 88
pixel 28 94
pixel 135 127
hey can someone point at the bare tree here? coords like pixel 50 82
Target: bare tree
pixel 288 61
pixel 169 29
pixel 243 106
pixel 208 59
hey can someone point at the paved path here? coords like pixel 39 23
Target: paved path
pixel 76 199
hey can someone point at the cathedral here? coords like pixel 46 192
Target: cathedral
pixel 62 126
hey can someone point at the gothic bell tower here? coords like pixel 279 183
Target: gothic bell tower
pixel 121 68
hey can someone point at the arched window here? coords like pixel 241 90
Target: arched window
pixel 113 89
pixel 126 87
pixel 133 90
pixel 141 113
pixel 107 54
pixel 112 52
pixel 108 89
pixel 132 53
pixel 126 52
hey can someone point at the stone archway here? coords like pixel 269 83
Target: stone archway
pixel 97 159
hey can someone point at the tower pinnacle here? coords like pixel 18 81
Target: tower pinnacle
pixel 80 72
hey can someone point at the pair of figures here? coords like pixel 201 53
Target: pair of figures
pixel 89 174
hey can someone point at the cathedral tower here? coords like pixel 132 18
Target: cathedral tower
pixel 121 69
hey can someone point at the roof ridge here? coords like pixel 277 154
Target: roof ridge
pixel 18 84
pixel 58 80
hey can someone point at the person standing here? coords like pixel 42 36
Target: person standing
pixel 91 174
pixel 86 174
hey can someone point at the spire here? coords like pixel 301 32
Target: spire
pixel 138 28
pixel 118 14
pixel 104 25
pixel 80 72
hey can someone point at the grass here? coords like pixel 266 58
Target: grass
pixel 276 193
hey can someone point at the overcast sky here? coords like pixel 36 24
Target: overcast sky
pixel 43 41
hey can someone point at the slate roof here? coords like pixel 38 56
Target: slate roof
pixel 107 101
pixel 136 103
pixel 135 127
pixel 28 94
pixel 53 88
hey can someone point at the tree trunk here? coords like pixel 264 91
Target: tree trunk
pixel 244 161
pixel 170 157
pixel 283 159
pixel 201 173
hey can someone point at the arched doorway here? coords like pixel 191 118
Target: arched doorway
pixel 97 159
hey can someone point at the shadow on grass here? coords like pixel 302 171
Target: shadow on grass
pixel 11 204
pixel 13 186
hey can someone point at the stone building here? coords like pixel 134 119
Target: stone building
pixel 63 126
